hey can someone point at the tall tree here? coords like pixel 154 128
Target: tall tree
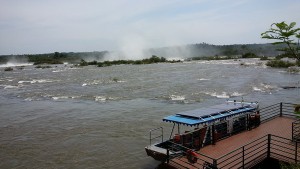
pixel 285 34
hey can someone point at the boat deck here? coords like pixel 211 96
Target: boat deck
pixel 279 126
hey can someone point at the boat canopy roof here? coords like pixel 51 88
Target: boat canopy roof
pixel 211 114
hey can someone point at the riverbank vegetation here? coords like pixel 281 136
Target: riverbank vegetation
pixel 153 59
pixel 280 64
pixel 217 57
pixel 283 61
pixel 52 58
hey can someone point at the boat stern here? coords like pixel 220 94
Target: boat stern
pixel 158 153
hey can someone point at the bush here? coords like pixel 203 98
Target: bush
pixel 279 64
pixel 249 55
pixel 83 63
pixel 93 63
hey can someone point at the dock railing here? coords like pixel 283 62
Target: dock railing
pixel 296 130
pixel 244 155
pixel 269 146
pixel 159 133
pixel 247 156
pixel 277 110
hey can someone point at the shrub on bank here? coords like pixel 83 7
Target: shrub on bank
pixel 249 55
pixel 83 63
pixel 279 64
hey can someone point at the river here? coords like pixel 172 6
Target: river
pixel 91 117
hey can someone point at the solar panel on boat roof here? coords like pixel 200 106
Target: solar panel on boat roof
pixel 229 106
pixel 212 110
pixel 200 112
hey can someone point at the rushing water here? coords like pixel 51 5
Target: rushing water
pixel 90 117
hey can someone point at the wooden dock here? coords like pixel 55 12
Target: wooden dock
pixel 279 126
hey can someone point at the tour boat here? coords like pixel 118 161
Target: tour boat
pixel 202 127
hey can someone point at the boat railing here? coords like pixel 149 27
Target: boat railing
pixel 156 136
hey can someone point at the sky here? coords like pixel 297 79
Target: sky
pixel 47 26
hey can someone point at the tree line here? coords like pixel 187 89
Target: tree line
pixel 153 59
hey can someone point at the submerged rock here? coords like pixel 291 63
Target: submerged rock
pixel 290 87
pixel 8 69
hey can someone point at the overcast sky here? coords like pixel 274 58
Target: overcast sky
pixel 43 26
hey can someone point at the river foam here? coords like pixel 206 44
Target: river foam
pixel 36 81
pixel 9 64
pixel 224 95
